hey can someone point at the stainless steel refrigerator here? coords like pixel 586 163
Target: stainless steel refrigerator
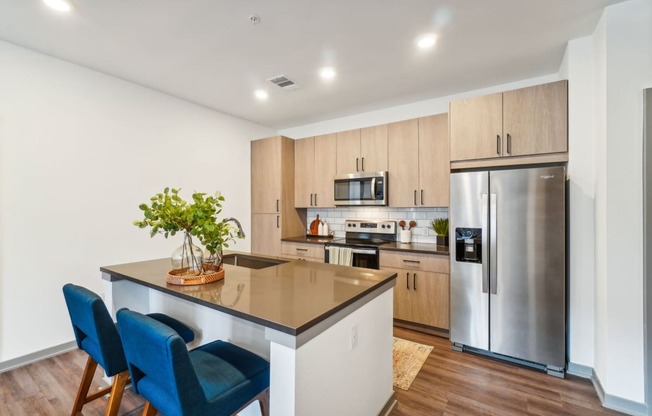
pixel 508 265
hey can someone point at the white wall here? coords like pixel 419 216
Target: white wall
pixel 79 151
pixel 607 74
pixel 629 71
pixel 601 330
pixel 578 67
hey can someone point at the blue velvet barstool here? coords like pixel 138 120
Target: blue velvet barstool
pixel 216 379
pixel 97 335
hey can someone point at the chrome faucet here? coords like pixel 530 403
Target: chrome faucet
pixel 241 233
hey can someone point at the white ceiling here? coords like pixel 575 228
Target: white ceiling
pixel 208 52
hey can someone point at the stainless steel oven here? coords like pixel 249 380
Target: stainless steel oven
pixel 363 238
pixel 366 257
pixel 369 188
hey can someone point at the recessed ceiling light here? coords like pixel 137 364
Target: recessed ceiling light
pixel 327 73
pixel 261 94
pixel 426 41
pixel 59 5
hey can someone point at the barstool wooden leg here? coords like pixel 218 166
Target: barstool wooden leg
pixel 84 385
pixel 120 380
pixel 263 400
pixel 149 410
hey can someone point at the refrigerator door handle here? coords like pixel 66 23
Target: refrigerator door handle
pixel 493 281
pixel 485 261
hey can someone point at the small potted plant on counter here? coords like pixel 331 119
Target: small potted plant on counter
pixel 440 226
pixel 168 214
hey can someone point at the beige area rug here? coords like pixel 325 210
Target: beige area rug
pixel 408 360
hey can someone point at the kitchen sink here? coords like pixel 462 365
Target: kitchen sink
pixel 250 262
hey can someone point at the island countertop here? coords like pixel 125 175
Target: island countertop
pixel 292 297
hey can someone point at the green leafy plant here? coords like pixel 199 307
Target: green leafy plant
pixel 168 214
pixel 440 225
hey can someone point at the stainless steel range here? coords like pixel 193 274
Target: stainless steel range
pixel 363 237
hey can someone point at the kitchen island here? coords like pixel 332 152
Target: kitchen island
pixel 326 329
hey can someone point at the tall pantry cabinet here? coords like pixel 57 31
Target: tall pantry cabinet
pixel 272 195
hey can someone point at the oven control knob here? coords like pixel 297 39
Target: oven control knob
pixel 382 226
pixel 354 225
pixel 348 225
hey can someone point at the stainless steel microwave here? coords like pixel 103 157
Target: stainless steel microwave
pixel 368 188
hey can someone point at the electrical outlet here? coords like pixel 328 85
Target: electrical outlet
pixel 354 337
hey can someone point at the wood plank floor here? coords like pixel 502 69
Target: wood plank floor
pixel 454 383
pixel 450 383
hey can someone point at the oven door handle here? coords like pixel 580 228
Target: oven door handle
pixel 357 250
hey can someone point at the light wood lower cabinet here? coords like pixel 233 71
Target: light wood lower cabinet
pixel 303 251
pixel 421 294
pixel 402 294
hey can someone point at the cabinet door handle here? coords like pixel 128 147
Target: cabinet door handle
pixel 315 199
pixel 509 144
pixel 356 164
pixel 278 217
pixel 414 281
pixel 363 164
pixel 277 201
pixel 422 197
pixel 407 280
pixel 310 199
pixel 411 261
pixel 415 197
pixel 498 144
pixel 302 249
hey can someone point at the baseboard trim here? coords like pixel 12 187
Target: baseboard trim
pixel 619 404
pixel 422 328
pixel 389 405
pixel 580 370
pixel 37 356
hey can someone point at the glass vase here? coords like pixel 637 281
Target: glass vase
pixel 188 259
pixel 213 262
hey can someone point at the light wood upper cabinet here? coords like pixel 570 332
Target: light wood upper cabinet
pixel 373 149
pixel 530 121
pixel 325 164
pixel 403 148
pixel 348 151
pixel 314 171
pixel 535 119
pixel 265 175
pixel 304 172
pixel 434 161
pixel 272 195
pixel 362 150
pixel 476 127
pixel 419 163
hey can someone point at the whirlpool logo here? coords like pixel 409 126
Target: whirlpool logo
pixel 547 176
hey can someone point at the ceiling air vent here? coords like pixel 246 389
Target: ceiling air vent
pixel 284 82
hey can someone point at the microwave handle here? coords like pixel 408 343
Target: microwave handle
pixel 373 187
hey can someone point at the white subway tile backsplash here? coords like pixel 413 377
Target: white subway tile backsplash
pixel 422 233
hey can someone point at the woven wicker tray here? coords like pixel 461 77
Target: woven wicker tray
pixel 176 277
